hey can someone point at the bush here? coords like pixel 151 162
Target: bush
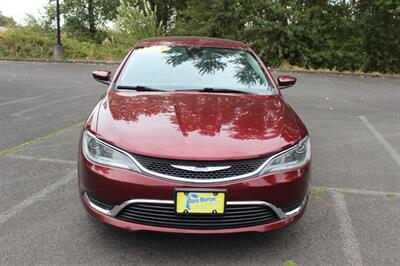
pixel 29 43
pixel 26 43
pixel 38 41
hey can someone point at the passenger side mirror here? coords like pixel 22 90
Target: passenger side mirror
pixel 102 76
pixel 286 81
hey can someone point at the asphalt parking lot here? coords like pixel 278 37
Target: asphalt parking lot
pixel 352 219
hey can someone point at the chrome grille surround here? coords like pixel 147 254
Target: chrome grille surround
pixel 166 168
pixel 113 211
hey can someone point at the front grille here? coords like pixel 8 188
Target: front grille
pixel 163 166
pixel 163 215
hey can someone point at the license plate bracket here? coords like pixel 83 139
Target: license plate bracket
pixel 200 201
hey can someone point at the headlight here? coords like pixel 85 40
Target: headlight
pixel 100 152
pixel 292 158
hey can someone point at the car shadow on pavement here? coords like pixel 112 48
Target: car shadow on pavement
pixel 226 248
pixel 293 242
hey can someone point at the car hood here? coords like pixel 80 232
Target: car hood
pixel 196 126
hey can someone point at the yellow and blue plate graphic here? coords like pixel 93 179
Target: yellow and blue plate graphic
pixel 200 202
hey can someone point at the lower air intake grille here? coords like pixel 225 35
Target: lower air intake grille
pixel 292 206
pixel 163 215
pixel 99 203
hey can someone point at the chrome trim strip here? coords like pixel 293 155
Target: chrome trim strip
pixel 201 169
pixel 298 209
pixel 117 208
pixel 277 210
pixel 94 206
pixel 200 181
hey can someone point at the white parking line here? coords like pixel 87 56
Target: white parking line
pixel 359 191
pixel 21 100
pixel 351 248
pixel 31 158
pixel 21 112
pixel 35 197
pixel 329 81
pixel 392 152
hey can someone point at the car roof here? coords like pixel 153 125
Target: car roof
pixel 192 41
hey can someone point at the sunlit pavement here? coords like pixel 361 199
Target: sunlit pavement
pixel 352 219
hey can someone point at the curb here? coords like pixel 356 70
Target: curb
pixel 338 73
pixel 89 62
pixel 305 71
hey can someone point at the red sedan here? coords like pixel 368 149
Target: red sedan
pixel 193 136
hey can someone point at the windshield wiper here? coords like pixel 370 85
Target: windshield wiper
pixel 218 90
pixel 137 88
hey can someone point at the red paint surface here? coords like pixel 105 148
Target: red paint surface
pixel 193 126
pixel 285 80
pixel 198 126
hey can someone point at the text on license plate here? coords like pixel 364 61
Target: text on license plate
pixel 200 202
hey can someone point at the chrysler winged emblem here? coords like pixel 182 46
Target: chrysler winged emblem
pixel 201 169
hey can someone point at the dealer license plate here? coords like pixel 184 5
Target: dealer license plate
pixel 191 202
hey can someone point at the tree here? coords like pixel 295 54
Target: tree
pixel 342 35
pixel 165 10
pixel 138 21
pixel 88 16
pixel 6 21
pixel 215 18
pixel 332 34
pixel 379 21
pixel 261 23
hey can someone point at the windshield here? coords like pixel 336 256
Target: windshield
pixel 172 68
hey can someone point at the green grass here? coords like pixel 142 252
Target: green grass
pixel 39 157
pixel 289 263
pixel 38 140
pixel 390 194
pixel 318 194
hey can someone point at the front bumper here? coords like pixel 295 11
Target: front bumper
pixel 120 188
pixel 110 219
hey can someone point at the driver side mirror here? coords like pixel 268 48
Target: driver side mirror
pixel 286 81
pixel 102 76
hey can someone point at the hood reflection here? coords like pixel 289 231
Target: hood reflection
pixel 239 117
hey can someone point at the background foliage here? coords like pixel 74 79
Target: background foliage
pixel 353 35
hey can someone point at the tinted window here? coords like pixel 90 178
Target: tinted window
pixel 182 68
